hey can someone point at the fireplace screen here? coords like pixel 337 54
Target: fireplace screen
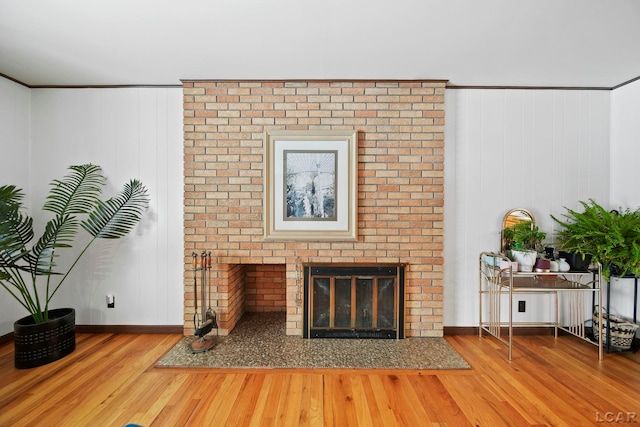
pixel 354 301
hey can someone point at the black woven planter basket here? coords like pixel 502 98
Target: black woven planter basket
pixel 37 344
pixel 622 332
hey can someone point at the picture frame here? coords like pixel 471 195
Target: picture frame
pixel 311 181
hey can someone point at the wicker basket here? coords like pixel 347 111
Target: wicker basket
pixel 622 332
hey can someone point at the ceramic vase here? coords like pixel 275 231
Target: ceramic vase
pixel 542 265
pixel 563 265
pixel 526 260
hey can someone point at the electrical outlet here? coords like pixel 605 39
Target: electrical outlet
pixel 111 301
pixel 522 306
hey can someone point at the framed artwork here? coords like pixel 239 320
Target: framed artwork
pixel 311 180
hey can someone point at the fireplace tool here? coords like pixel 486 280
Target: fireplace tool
pixel 204 342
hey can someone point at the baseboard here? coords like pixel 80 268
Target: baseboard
pixel 130 329
pixel 473 330
pixel 460 330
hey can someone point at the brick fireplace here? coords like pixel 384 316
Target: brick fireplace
pixel 400 128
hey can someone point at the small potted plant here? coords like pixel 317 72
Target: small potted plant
pixel 524 241
pixel 29 271
pixel 611 237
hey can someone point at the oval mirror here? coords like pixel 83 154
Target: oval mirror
pixel 513 217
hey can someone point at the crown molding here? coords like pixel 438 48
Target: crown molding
pixel 448 86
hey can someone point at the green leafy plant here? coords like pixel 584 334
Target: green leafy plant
pixel 75 195
pixel 524 236
pixel 612 238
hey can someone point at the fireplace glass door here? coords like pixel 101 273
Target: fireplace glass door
pixel 353 301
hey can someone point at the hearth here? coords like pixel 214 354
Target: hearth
pixel 353 301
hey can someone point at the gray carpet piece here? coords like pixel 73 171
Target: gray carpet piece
pixel 259 341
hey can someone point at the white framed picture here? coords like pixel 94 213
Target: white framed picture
pixel 310 185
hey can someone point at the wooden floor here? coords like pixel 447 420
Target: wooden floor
pixel 110 380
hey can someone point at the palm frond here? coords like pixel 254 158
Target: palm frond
pixel 16 228
pixel 59 233
pixel 117 216
pixel 11 195
pixel 77 192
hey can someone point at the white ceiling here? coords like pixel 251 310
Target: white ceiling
pixel 541 43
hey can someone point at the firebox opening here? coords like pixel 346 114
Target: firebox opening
pixel 353 301
pixel 248 288
pixel 265 288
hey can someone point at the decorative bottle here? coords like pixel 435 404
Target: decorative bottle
pixel 563 265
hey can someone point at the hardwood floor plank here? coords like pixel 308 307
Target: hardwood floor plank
pixel 387 417
pixel 404 403
pixel 179 415
pixel 269 393
pixel 110 380
pixel 327 399
pixel 338 402
pixel 291 402
pixel 362 408
pixel 436 400
pixel 344 402
pixel 304 418
pixel 261 401
pixel 479 405
pixel 245 404
pixel 285 396
pixel 372 404
pixel 152 394
pixel 189 399
pixel 316 401
pixel 210 393
pixel 219 410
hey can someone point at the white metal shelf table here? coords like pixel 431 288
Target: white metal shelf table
pixel 498 282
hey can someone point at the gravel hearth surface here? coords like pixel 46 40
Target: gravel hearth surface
pixel 259 341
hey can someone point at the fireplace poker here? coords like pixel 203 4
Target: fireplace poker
pixel 210 314
pixel 196 320
pixel 203 274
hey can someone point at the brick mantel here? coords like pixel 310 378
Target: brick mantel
pixel 400 188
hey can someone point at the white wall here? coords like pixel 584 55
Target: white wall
pixel 535 149
pixel 625 146
pixel 131 133
pixel 494 138
pixel 625 175
pixel 15 119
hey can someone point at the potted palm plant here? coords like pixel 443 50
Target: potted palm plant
pixel 524 241
pixel 28 268
pixel 610 237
